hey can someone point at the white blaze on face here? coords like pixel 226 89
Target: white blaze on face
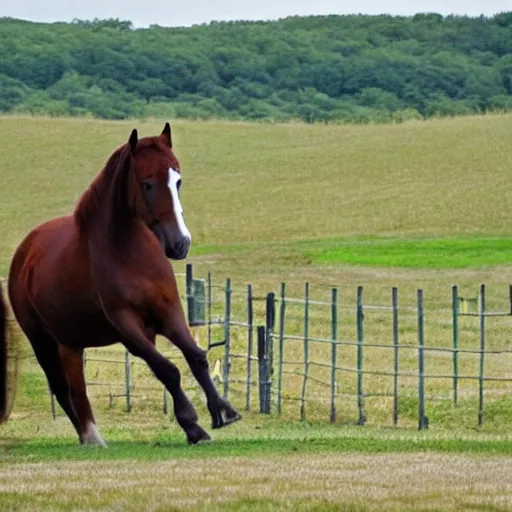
pixel 174 179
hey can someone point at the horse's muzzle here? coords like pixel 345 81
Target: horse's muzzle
pixel 179 250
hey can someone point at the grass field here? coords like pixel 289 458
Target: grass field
pixel 419 205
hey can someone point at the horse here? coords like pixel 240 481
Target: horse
pixel 102 276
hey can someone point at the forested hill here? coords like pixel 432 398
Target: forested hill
pixel 321 68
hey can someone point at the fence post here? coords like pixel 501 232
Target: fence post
pixel 127 380
pixel 455 331
pixel 189 292
pixel 394 306
pixel 209 308
pixel 282 310
pixel 263 371
pixel 249 347
pixel 481 314
pixel 306 353
pixel 360 337
pixel 227 338
pixel 423 420
pixel 334 351
pixel 52 404
pixel 165 406
pixel 270 319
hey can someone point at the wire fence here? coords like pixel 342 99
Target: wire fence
pixel 323 358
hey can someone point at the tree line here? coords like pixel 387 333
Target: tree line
pixel 353 68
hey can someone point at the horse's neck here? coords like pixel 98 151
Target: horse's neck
pixel 104 209
pixel 113 230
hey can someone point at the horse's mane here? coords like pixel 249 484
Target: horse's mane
pixel 109 189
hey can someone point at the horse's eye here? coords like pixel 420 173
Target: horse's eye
pixel 178 185
pixel 146 186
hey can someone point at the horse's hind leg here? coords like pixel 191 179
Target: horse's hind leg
pixel 49 355
pixel 72 360
pixel 221 411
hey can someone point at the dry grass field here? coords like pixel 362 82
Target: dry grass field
pixel 347 481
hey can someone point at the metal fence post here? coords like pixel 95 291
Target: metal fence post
pixel 280 356
pixel 481 314
pixel 189 292
pixel 227 338
pixel 394 306
pixel 165 405
pixel 270 318
pixel 128 380
pixel 334 351
pixel 360 337
pixel 422 420
pixel 455 332
pixel 263 371
pixel 209 308
pixel 306 353
pixel 249 347
pixel 52 404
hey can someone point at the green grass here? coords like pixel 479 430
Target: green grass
pixel 306 441
pixel 422 253
pixel 439 253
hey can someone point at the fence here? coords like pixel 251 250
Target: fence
pixel 366 353
pixel 351 360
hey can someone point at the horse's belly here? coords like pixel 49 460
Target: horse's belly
pixel 75 321
pixel 83 330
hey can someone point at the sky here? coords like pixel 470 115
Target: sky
pixel 172 13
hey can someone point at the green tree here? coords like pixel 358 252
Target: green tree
pixel 320 68
pixel 12 92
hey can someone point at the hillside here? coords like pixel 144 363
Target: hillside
pixel 317 69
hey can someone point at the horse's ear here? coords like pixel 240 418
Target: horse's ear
pixel 134 138
pixel 166 134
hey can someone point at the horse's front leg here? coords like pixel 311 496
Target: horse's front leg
pixel 176 329
pixel 130 325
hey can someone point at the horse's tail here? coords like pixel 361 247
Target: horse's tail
pixel 8 363
pixel 3 358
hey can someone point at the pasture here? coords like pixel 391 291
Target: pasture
pixel 418 205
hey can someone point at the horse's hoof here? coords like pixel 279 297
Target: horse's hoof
pixel 224 415
pixel 197 435
pixel 88 444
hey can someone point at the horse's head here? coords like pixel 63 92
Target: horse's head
pixel 157 191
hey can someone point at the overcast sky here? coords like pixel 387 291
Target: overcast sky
pixel 170 13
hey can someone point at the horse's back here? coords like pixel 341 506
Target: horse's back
pixel 41 252
pixel 44 241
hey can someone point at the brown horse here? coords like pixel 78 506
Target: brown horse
pixel 101 276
